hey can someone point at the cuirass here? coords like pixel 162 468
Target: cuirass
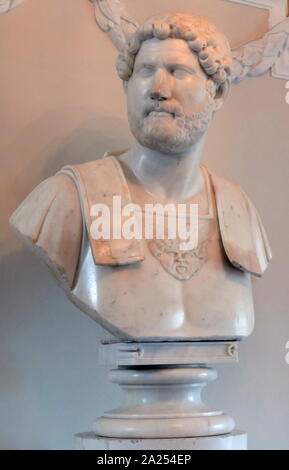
pixel 148 289
pixel 170 295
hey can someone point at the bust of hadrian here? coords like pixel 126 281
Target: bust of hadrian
pixel 176 75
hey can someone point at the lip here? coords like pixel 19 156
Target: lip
pixel 181 268
pixel 160 114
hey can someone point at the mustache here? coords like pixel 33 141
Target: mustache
pixel 170 108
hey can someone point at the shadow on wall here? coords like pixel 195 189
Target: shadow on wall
pixel 48 363
pixel 29 294
pixel 86 143
pixel 60 137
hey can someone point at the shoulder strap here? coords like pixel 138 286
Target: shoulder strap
pixel 97 183
pixel 243 235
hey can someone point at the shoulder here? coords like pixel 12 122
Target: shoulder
pixel 243 235
pixel 56 190
pixel 49 222
pixel 224 186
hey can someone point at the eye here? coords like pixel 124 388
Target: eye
pixel 180 72
pixel 145 70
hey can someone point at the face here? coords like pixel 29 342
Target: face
pixel 179 263
pixel 169 105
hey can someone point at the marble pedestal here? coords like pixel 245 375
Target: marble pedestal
pixel 162 384
pixel 236 440
pixel 163 402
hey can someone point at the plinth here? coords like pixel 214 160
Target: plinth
pixel 237 440
pixel 162 406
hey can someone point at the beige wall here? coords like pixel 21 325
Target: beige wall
pixel 61 102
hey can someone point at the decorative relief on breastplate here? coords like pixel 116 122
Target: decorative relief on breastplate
pixel 182 264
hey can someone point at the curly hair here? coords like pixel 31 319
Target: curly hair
pixel 204 39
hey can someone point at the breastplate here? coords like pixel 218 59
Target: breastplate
pixel 171 295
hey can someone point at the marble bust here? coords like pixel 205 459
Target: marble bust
pixel 176 74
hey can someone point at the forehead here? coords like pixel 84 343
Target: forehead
pixel 169 50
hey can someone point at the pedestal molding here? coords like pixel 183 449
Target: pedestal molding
pixel 237 440
pixel 169 353
pixel 163 402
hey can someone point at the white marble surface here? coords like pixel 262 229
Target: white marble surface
pixel 162 385
pixel 236 440
pixel 123 298
pixel 44 134
pixel 176 78
pixel 163 402
pixel 144 354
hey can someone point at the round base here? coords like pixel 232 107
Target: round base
pixel 163 402
pixel 236 440
pixel 164 427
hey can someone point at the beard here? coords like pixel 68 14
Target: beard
pixel 174 136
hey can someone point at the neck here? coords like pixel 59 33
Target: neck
pixel 168 177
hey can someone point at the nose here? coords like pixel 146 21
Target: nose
pixel 179 257
pixel 161 87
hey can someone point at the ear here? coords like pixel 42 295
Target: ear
pixel 125 85
pixel 222 94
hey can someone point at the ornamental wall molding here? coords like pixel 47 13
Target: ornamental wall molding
pixel 270 52
pixel 278 9
pixel 253 59
pixel 7 5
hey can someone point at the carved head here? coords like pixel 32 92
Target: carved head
pixel 182 264
pixel 176 72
